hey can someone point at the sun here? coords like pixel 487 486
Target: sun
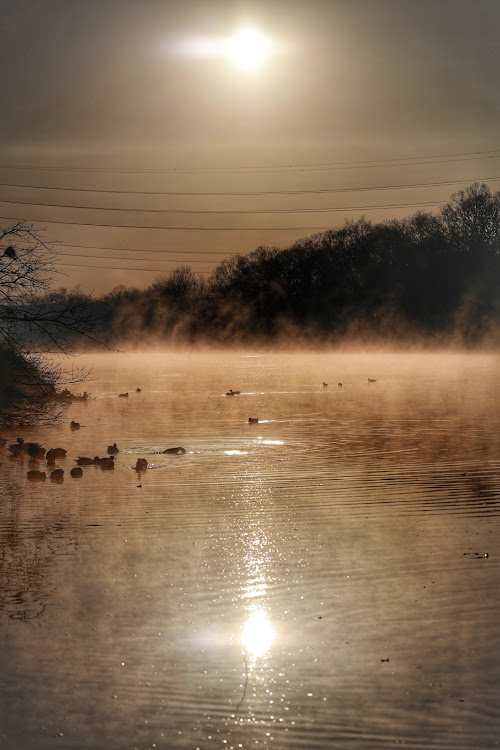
pixel 248 49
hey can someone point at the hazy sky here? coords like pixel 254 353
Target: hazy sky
pixel 93 88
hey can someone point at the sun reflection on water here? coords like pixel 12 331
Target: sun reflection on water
pixel 258 634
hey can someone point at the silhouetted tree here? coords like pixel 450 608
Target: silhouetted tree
pixel 34 321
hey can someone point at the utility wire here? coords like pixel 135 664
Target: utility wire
pixel 363 164
pixel 219 212
pixel 187 229
pixel 249 193
pixel 120 268
pixel 128 260
pixel 141 250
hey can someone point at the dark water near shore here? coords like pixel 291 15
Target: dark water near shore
pixel 326 578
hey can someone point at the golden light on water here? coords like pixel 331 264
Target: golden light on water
pixel 258 634
pixel 248 49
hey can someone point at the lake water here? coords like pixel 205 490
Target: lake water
pixel 325 578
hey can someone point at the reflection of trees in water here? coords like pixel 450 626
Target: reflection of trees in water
pixel 27 549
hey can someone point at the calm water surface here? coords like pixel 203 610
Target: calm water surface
pixel 326 578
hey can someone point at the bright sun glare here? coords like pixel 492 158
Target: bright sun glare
pixel 248 49
pixel 258 634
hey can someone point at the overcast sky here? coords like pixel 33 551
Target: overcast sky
pixel 109 86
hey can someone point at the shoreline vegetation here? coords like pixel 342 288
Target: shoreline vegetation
pixel 430 280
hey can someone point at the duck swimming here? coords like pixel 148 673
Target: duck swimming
pixel 37 476
pixel 179 451
pixel 141 464
pixel 113 449
pixel 57 475
pixel 84 461
pixel 74 425
pixel 76 472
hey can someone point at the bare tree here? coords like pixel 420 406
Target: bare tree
pixel 34 322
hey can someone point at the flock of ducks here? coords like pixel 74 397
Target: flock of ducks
pixel 37 452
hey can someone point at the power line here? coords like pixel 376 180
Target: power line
pixel 249 193
pixel 187 229
pixel 219 212
pixel 128 260
pixel 363 164
pixel 119 268
pixel 142 250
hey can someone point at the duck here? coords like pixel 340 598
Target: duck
pixel 51 456
pixel 75 425
pixel 106 463
pixel 57 475
pixel 113 449
pixel 233 393
pixel 138 390
pixel 179 451
pixel 17 449
pixel 37 476
pixel 253 420
pixel 372 380
pixel 60 452
pixel 123 395
pixel 339 384
pixel 84 461
pixel 325 385
pixel 141 464
pixel 35 450
pixel 76 472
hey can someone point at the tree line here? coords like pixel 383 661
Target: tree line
pixel 430 275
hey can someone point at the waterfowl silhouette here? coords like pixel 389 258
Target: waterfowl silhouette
pixel 233 393
pixel 325 384
pixel 137 390
pixel 84 461
pixel 339 384
pixel 37 476
pixel 113 449
pixel 253 420
pixel 57 475
pixel 51 456
pixel 75 425
pixel 141 464
pixel 76 472
pixel 123 395
pixel 176 451
pixel 16 449
pixel 372 380
pixel 60 452
pixel 107 463
pixel 35 450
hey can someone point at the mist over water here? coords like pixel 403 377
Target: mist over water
pixel 324 577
